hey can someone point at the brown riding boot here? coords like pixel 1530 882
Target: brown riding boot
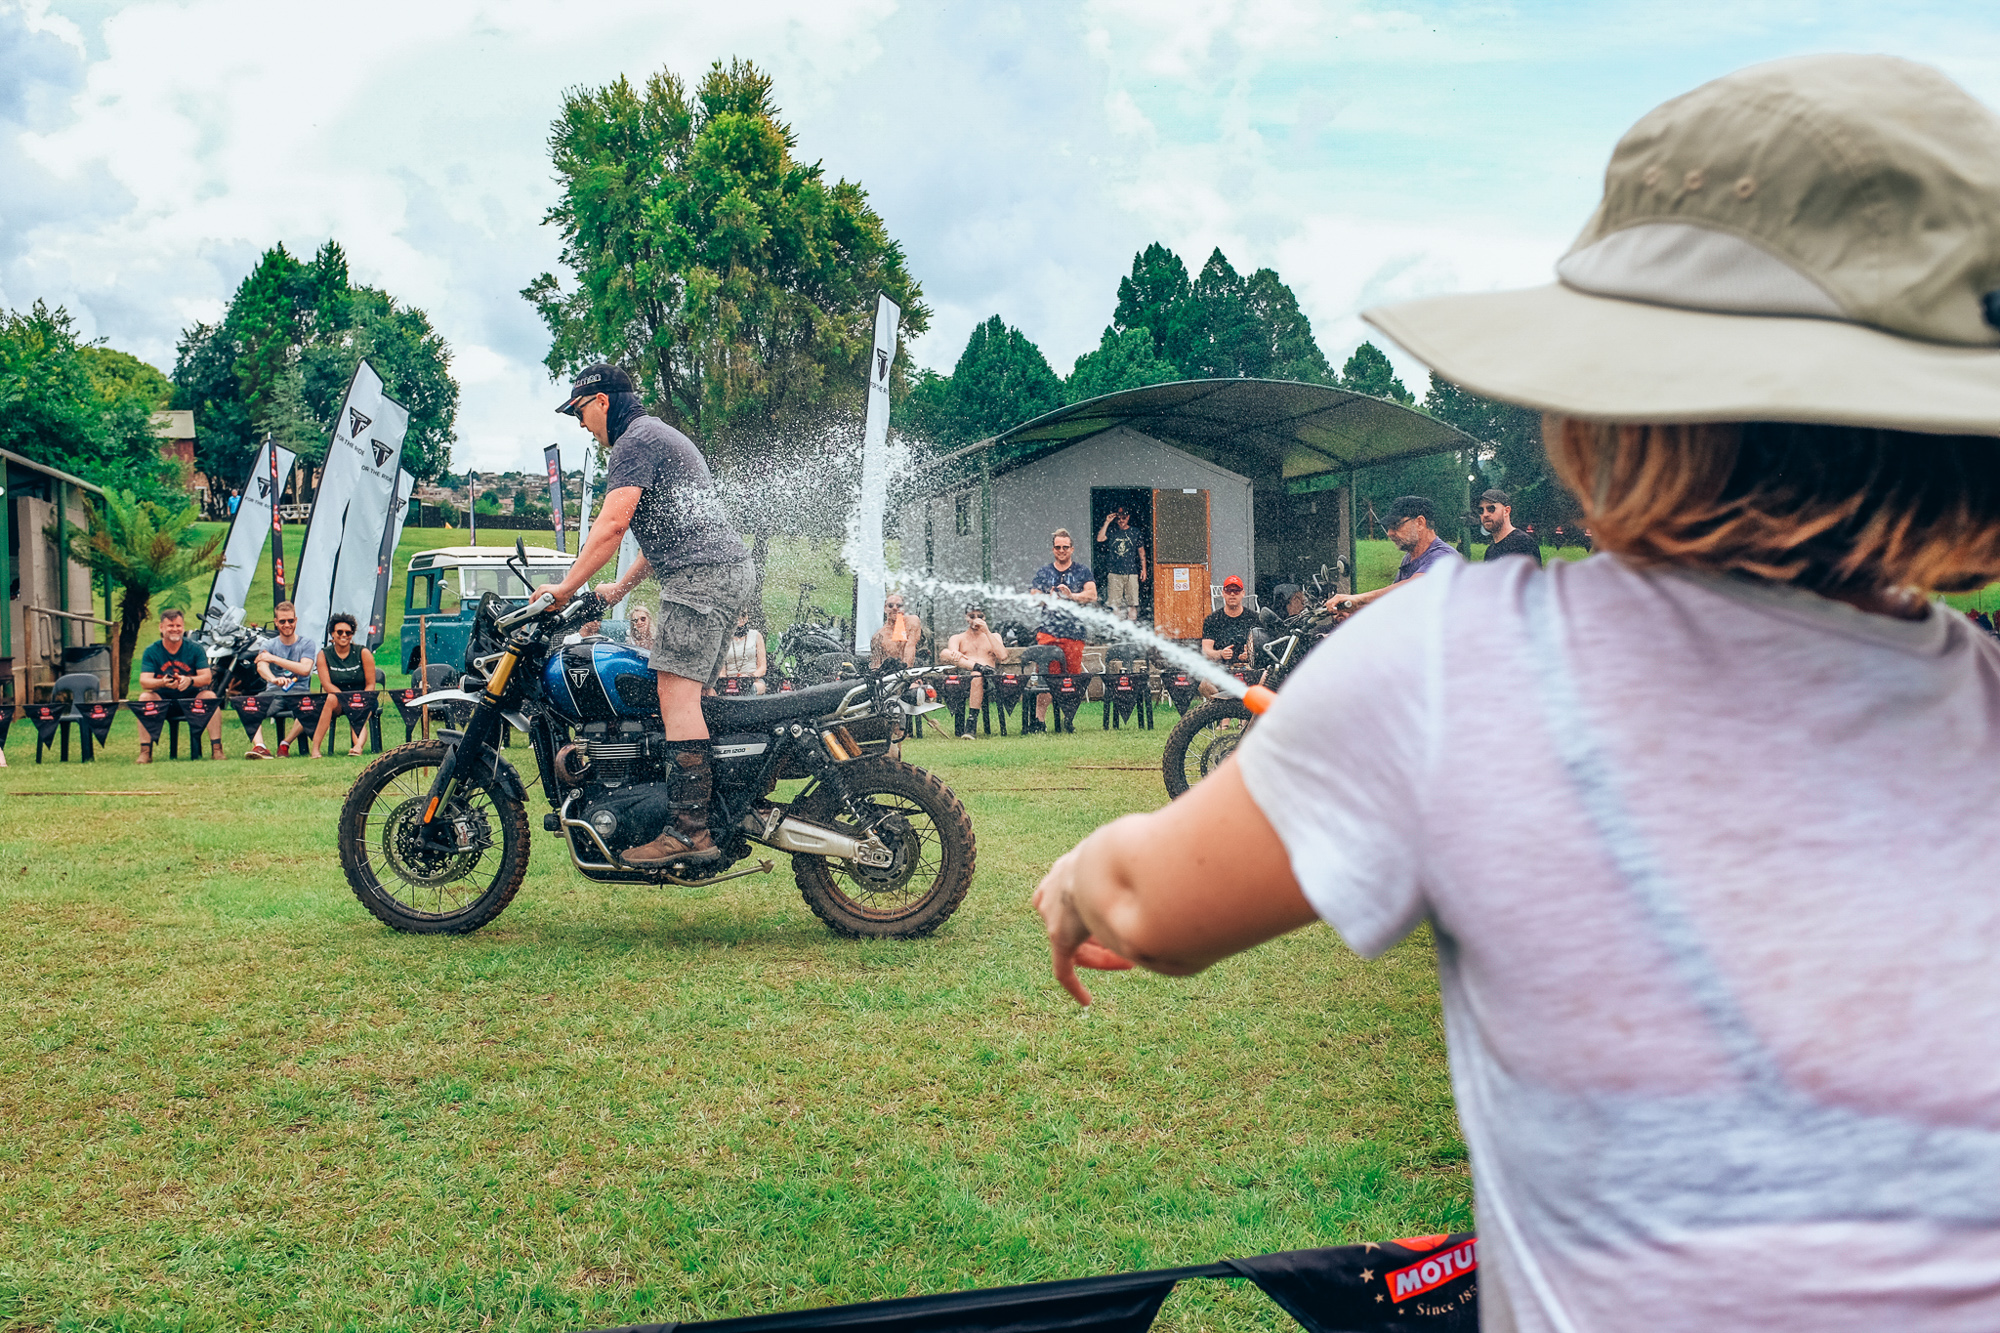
pixel 685 841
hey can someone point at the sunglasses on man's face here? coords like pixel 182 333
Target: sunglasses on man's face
pixel 1062 546
pixel 288 622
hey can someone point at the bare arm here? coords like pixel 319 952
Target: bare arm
pixel 367 669
pixel 1086 595
pixel 1105 531
pixel 1174 890
pixel 761 668
pixel 1348 604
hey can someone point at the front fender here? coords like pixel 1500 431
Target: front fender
pixel 516 719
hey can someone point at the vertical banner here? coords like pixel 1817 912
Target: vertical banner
pixel 552 457
pixel 583 509
pixel 385 567
pixel 472 506
pixel 868 564
pixel 628 553
pixel 344 536
pixel 277 530
pixel 256 511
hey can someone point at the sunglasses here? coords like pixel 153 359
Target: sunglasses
pixel 288 622
pixel 343 634
pixel 1062 546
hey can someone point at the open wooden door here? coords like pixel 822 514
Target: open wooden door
pixel 1180 562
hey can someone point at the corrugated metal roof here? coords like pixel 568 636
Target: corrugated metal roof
pixel 1296 430
pixel 177 424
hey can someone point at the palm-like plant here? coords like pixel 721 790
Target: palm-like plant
pixel 147 549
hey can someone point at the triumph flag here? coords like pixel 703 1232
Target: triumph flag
pixel 385 565
pixel 553 457
pixel 868 588
pixel 337 571
pixel 255 515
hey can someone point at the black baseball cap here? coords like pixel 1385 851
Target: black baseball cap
pixel 1408 507
pixel 593 380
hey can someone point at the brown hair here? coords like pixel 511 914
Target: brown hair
pixel 1832 508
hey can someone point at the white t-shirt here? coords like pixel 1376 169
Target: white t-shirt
pixel 1711 868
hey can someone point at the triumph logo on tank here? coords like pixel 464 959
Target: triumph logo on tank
pixel 1434 1272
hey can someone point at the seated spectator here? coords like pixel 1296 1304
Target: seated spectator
pixel 344 667
pixel 177 668
pixel 1067 581
pixel 975 646
pixel 897 639
pixel 744 656
pixel 1288 600
pixel 1225 634
pixel 639 629
pixel 286 661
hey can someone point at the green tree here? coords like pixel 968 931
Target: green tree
pixel 147 549
pixel 1001 380
pixel 732 280
pixel 1513 453
pixel 1122 361
pixel 1368 371
pixel 280 360
pixel 60 405
pixel 1289 351
pixel 122 375
pixel 1219 325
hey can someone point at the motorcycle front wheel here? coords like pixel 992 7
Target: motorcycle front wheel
pixel 415 888
pixel 1206 735
pixel 926 829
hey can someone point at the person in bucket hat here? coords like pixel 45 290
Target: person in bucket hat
pixel 1737 1065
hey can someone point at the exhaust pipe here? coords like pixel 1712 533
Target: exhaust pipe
pixel 792 834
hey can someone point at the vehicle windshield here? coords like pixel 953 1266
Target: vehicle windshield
pixel 474 583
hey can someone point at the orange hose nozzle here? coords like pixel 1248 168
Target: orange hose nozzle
pixel 1259 698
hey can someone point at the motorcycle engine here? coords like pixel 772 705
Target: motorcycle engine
pixel 622 754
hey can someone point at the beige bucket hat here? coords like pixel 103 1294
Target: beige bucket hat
pixel 1812 240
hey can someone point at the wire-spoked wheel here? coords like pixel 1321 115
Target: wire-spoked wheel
pixel 1206 735
pixel 929 837
pixel 418 887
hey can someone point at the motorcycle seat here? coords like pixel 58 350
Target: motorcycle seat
pixel 759 712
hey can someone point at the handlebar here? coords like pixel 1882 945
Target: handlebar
pixel 537 604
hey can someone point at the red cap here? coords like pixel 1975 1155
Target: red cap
pixel 1232 584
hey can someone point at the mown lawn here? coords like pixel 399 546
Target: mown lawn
pixel 233 1099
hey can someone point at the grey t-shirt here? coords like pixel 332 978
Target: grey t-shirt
pixel 679 521
pixel 300 649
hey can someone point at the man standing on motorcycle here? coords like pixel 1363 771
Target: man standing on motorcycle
pixel 658 486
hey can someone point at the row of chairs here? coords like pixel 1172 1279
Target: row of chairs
pixel 1130 690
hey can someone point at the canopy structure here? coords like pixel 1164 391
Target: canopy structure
pixel 1308 436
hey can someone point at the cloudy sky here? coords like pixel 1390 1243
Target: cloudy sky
pixel 1021 153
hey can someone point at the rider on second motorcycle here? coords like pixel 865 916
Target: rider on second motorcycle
pixel 658 485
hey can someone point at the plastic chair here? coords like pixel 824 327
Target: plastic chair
pixel 1035 670
pixel 76 689
pixel 1128 685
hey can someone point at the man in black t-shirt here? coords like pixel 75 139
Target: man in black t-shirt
pixel 657 484
pixel 1496 515
pixel 1225 634
pixel 1124 562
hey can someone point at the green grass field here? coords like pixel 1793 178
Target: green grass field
pixel 234 1100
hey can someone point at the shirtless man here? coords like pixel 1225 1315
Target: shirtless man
pixel 974 646
pixel 898 638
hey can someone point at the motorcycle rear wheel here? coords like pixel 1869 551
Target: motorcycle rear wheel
pixel 1206 735
pixel 409 888
pixel 927 829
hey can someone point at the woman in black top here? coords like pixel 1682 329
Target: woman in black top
pixel 342 667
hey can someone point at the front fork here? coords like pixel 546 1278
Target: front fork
pixel 482 733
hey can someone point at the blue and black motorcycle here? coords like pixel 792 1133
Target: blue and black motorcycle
pixel 434 834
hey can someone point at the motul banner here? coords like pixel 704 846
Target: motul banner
pixel 553 457
pixel 868 587
pixel 344 538
pixel 385 567
pixel 248 531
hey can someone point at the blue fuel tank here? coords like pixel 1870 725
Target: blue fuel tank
pixel 600 681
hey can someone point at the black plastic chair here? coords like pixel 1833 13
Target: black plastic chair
pixel 1128 685
pixel 1038 664
pixel 74 692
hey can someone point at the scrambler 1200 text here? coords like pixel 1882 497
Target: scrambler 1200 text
pixel 434 835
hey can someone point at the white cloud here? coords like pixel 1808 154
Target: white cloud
pixel 1022 153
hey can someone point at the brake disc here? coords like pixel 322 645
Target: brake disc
pixel 416 861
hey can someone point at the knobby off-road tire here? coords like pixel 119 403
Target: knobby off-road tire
pixel 1206 735
pixel 413 890
pixel 930 834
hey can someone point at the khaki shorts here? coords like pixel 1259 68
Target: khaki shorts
pixel 1123 590
pixel 698 607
